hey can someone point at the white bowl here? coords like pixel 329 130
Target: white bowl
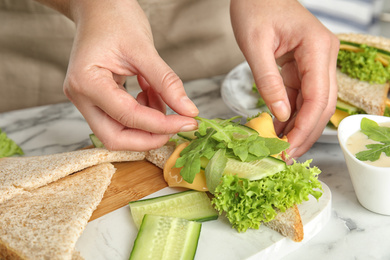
pixel 371 183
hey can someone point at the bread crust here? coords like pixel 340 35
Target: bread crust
pixel 370 40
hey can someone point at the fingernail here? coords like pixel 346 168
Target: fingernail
pixel 190 105
pixel 291 154
pixel 280 111
pixel 187 128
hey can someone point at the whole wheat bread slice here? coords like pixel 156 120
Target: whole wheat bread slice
pixel 369 97
pixel 46 222
pixel 160 155
pixel 288 223
pixel 21 174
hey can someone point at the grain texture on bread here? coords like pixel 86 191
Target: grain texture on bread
pixel 160 155
pixel 46 222
pixel 369 97
pixel 288 223
pixel 22 174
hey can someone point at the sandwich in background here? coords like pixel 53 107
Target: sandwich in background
pixel 363 75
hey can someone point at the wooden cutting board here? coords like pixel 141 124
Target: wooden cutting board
pixel 131 181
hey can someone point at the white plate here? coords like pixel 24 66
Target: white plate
pixel 112 236
pixel 236 92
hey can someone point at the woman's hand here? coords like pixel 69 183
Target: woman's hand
pixel 303 95
pixel 114 40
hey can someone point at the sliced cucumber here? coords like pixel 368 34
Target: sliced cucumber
pixel 203 162
pixel 350 109
pixel 163 237
pixel 187 135
pixel 382 51
pixel 95 141
pixel 190 205
pixel 255 170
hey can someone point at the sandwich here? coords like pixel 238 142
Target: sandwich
pixel 363 75
pixel 242 168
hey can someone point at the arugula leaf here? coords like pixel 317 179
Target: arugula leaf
pixel 376 133
pixel 240 142
pixel 374 152
pixel 190 156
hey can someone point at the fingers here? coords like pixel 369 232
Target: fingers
pixel 269 82
pixel 124 109
pixel 169 86
pixel 317 97
pixel 116 137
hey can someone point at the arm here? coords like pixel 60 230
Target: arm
pixel 283 33
pixel 113 40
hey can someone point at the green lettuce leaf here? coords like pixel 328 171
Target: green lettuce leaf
pixel 8 147
pixel 247 204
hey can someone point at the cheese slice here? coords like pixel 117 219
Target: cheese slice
pixel 174 179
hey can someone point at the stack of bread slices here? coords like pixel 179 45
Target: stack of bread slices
pixel 46 201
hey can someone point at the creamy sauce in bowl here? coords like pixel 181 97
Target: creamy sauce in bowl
pixel 357 142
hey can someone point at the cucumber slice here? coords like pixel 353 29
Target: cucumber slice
pixel 95 141
pixel 255 170
pixel 163 237
pixel 203 162
pixel 382 51
pixel 350 109
pixel 215 170
pixel 187 135
pixel 190 205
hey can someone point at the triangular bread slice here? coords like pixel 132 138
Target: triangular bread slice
pixel 288 223
pixel 46 222
pixel 21 174
pixel 369 97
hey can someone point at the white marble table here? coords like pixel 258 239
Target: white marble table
pixel 351 233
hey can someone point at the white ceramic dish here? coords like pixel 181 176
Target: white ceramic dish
pixel 371 183
pixel 112 236
pixel 236 92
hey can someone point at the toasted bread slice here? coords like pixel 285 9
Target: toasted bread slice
pixel 46 222
pixel 369 97
pixel 288 223
pixel 23 174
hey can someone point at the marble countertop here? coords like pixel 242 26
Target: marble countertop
pixel 351 233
